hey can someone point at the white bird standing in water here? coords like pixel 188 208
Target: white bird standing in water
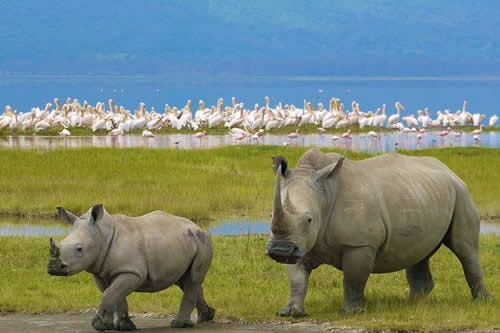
pixel 147 134
pixel 65 132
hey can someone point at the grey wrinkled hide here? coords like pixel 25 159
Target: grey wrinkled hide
pixel 382 214
pixel 148 253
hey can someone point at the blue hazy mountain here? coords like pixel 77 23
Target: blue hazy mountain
pixel 268 37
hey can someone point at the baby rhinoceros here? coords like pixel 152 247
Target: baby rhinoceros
pixel 125 254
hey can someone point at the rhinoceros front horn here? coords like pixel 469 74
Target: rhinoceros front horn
pixel 54 250
pixel 277 206
pixel 55 265
pixel 278 224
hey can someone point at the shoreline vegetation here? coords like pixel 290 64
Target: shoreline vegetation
pixel 203 185
pixel 222 130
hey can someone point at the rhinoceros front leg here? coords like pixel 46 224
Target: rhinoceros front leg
pixel 298 278
pixel 113 300
pixel 357 264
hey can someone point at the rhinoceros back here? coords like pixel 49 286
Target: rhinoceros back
pixel 404 205
pixel 164 244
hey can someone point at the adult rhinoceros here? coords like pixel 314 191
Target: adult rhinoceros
pixel 147 253
pixel 378 215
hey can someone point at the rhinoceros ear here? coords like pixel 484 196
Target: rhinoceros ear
pixel 66 216
pixel 96 213
pixel 318 177
pixel 281 161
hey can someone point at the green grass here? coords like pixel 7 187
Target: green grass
pixel 203 185
pixel 244 284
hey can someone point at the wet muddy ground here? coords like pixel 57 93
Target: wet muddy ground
pixel 80 322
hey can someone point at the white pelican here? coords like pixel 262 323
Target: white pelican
pixel 65 132
pixel 493 120
pixel 147 134
pixel 394 118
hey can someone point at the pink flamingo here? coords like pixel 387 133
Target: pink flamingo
pixel 445 132
pixel 294 135
pixel 346 135
pixel 199 135
pixel 477 131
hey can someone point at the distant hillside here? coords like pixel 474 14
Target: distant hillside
pixel 320 37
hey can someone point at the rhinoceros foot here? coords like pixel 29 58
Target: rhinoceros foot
pixel 181 323
pixel 99 324
pixel 291 311
pixel 483 295
pixel 352 308
pixel 125 324
pixel 207 315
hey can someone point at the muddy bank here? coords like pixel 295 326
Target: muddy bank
pixel 80 322
pixel 150 323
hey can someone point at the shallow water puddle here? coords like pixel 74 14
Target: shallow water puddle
pixel 224 228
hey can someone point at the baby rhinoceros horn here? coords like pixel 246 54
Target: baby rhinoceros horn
pixel 54 250
pixel 55 265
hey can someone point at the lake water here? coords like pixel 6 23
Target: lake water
pixel 359 142
pixel 437 93
pixel 223 228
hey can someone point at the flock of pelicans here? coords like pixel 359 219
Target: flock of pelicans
pixel 242 123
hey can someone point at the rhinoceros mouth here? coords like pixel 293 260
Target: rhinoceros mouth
pixel 57 268
pixel 283 251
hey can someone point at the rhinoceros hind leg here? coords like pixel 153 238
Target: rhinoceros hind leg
pixel 419 278
pixel 291 311
pixel 469 258
pixel 125 324
pixel 102 323
pixel 205 312
pixel 206 315
pixel 181 323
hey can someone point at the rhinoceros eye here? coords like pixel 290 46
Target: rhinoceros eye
pixel 79 250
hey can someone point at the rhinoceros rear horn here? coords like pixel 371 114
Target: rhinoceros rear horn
pixel 280 161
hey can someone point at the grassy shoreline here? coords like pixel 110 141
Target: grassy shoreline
pixel 243 284
pixel 203 185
